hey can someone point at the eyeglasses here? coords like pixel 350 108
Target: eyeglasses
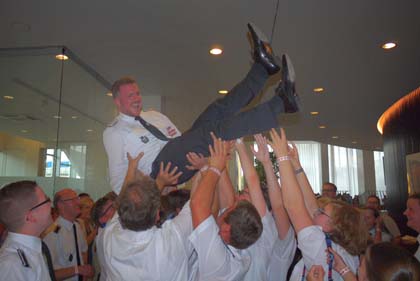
pixel 321 211
pixel 70 199
pixel 48 200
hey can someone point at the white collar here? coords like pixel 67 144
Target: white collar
pixel 29 241
pixel 128 118
pixel 65 223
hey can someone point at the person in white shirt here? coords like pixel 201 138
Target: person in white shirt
pixel 219 244
pixel 389 223
pixel 131 247
pixel 25 211
pixel 66 242
pixel 337 225
pixel 413 217
pixel 261 250
pixel 135 130
pixel 284 247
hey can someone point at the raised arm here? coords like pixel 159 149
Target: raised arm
pixel 202 199
pixel 308 194
pixel 252 179
pixel 292 195
pixel 132 172
pixel 274 193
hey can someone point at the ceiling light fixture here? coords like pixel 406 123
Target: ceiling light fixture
pixel 335 137
pixel 109 94
pixel 318 90
pixel 8 97
pixel 216 51
pixel 322 127
pixel 354 142
pixel 61 57
pixel 389 45
pixel 57 117
pixel 223 92
pixel 74 117
pixel 314 112
pixel 24 131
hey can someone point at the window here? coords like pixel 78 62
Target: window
pixel 378 157
pixel 310 159
pixel 72 162
pixel 343 168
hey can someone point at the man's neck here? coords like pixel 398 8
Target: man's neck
pixel 68 217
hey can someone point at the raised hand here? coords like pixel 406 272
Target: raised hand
pixel 262 154
pixel 279 142
pixel 316 273
pixel 167 176
pixel 218 153
pixel 134 162
pixel 197 161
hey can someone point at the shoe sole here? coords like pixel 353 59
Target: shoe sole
pixel 259 33
pixel 290 68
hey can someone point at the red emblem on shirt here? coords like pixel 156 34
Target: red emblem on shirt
pixel 171 131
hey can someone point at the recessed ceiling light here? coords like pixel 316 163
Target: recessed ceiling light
pixel 216 51
pixel 223 92
pixel 109 94
pixel 74 117
pixel 322 127
pixel 335 137
pixel 318 90
pixel 354 142
pixel 8 97
pixel 314 112
pixel 57 117
pixel 89 130
pixel 24 131
pixel 389 45
pixel 61 57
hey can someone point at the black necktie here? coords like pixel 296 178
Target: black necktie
pixel 152 129
pixel 47 255
pixel 77 249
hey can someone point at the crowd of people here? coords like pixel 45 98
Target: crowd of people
pixel 147 229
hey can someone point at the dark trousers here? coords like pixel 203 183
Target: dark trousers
pixel 223 117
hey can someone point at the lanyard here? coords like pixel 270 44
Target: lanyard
pixel 330 263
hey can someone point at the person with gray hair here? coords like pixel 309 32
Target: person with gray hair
pixel 66 241
pixel 25 211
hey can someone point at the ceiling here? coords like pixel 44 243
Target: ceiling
pixel 164 44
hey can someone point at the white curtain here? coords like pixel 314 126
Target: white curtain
pixel 343 170
pixel 310 159
pixel 378 157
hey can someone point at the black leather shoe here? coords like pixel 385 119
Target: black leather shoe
pixel 286 89
pixel 262 51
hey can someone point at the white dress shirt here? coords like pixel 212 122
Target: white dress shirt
pixel 417 254
pixel 214 260
pixel 126 135
pixel 62 245
pixel 261 250
pixel 21 259
pixel 282 256
pixel 154 254
pixel 311 242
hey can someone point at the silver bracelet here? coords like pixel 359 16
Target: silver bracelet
pixel 214 169
pixel 283 158
pixel 298 171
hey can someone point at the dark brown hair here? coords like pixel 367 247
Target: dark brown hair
pixel 388 262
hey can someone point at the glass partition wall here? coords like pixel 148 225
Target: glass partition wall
pixel 52 115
